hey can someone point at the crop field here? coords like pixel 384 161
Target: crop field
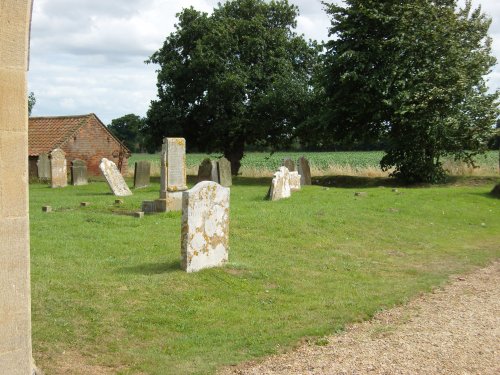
pixel 359 163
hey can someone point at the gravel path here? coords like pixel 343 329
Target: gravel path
pixel 454 330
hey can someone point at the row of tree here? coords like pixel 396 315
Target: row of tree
pixel 406 75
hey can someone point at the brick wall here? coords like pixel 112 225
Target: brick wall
pixel 92 143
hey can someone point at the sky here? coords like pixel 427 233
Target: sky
pixel 87 56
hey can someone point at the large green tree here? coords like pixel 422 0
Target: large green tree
pixel 236 77
pixel 412 73
pixel 129 129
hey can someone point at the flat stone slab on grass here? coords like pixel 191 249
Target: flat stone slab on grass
pixel 114 178
pixel 205 226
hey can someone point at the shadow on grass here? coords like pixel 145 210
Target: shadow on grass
pixel 152 268
pixel 252 181
pixel 355 181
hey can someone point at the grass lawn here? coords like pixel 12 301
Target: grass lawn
pixel 108 293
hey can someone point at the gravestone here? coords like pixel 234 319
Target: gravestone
pixel 205 226
pixel 289 164
pixel 114 178
pixel 304 170
pixel 295 181
pixel 173 172
pixel 224 168
pixel 43 166
pixel 142 174
pixel 280 185
pixel 496 191
pixel 205 170
pixel 176 164
pixel 58 171
pixel 79 173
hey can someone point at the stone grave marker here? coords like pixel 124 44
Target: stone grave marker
pixel 43 166
pixel 496 191
pixel 205 226
pixel 205 170
pixel 142 174
pixel 79 172
pixel 58 171
pixel 173 173
pixel 114 178
pixel 224 168
pixel 289 164
pixel 280 185
pixel 304 170
pixel 295 181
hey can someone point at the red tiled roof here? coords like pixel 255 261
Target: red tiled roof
pixel 47 133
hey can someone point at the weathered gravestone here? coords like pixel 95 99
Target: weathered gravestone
pixel 289 164
pixel 496 191
pixel 142 174
pixel 79 173
pixel 114 178
pixel 205 226
pixel 58 171
pixel 304 170
pixel 43 166
pixel 295 181
pixel 208 171
pixel 280 185
pixel 224 168
pixel 173 174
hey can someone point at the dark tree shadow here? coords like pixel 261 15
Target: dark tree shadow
pixel 152 268
pixel 355 181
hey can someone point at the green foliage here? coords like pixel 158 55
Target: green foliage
pixel 31 102
pixel 411 73
pixel 129 129
pixel 107 289
pixel 238 76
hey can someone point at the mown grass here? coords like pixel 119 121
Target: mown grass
pixel 107 289
pixel 361 163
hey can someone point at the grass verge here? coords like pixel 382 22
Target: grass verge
pixel 108 295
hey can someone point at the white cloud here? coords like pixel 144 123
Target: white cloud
pixel 88 55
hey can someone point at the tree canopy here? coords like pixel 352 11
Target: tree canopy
pixel 412 73
pixel 31 102
pixel 129 129
pixel 238 76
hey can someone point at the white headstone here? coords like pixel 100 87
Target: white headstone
pixel 175 149
pixel 58 169
pixel 280 185
pixel 205 226
pixel 295 181
pixel 114 178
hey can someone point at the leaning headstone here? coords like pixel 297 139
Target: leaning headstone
pixel 114 178
pixel 295 181
pixel 58 171
pixel 205 226
pixel 142 174
pixel 43 166
pixel 304 170
pixel 79 173
pixel 289 164
pixel 280 185
pixel 224 168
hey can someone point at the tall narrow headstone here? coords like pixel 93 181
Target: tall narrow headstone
pixel 304 170
pixel 289 164
pixel 176 164
pixel 79 173
pixel 114 178
pixel 280 185
pixel 58 170
pixel 173 173
pixel 205 226
pixel 224 168
pixel 295 181
pixel 142 174
pixel 15 314
pixel 43 166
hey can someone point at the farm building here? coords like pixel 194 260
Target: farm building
pixel 82 137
